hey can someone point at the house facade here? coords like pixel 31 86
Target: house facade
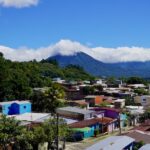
pixel 114 114
pixel 15 107
pixel 94 100
pixel 75 113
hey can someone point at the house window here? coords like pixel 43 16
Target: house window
pixel 144 100
pixel 24 107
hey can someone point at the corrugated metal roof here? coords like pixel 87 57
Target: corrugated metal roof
pixel 22 102
pixel 75 109
pixel 69 121
pixel 6 103
pixel 38 117
pixel 112 143
pixel 11 102
pixel 89 122
pixel 145 147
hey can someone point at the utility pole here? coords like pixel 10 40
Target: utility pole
pixel 102 122
pixel 119 120
pixel 57 140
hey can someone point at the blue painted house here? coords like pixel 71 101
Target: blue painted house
pixel 87 132
pixel 5 107
pixel 15 107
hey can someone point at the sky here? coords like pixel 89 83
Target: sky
pixel 108 30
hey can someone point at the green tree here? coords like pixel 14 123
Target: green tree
pixel 141 91
pixel 104 104
pixel 138 145
pixel 52 98
pixel 18 78
pixel 9 131
pixel 49 100
pixel 75 72
pixel 39 136
pixel 88 90
pixel 145 115
pixel 136 80
pixel 24 141
pixel 22 138
pixel 111 80
pixel 50 129
pixel 92 90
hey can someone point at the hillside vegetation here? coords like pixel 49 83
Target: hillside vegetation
pixel 18 78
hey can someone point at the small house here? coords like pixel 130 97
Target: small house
pixel 20 107
pixel 103 124
pixel 119 103
pixel 15 107
pixel 87 132
pixel 144 100
pixel 94 100
pixel 75 113
pixel 112 113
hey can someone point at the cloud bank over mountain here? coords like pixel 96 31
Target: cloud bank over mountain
pixel 18 3
pixel 68 47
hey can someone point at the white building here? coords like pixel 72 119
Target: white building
pixel 119 103
pixel 144 100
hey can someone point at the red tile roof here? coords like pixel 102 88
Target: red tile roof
pixel 86 123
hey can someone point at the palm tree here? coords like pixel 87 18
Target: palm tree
pixel 52 98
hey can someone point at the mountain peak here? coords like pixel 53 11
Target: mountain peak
pixel 99 68
pixel 66 48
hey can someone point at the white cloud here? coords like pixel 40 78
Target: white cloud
pixel 68 47
pixel 18 3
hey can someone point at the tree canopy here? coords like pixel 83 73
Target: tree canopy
pixel 18 78
pixel 48 100
pixel 24 138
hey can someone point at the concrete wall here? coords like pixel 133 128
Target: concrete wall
pixel 25 108
pixel 143 100
pixel 111 114
pixel 15 108
pixel 6 109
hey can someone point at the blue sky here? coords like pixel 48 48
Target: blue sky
pixel 107 30
pixel 106 23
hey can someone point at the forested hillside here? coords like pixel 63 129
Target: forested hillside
pixel 18 78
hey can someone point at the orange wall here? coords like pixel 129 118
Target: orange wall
pixel 98 99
